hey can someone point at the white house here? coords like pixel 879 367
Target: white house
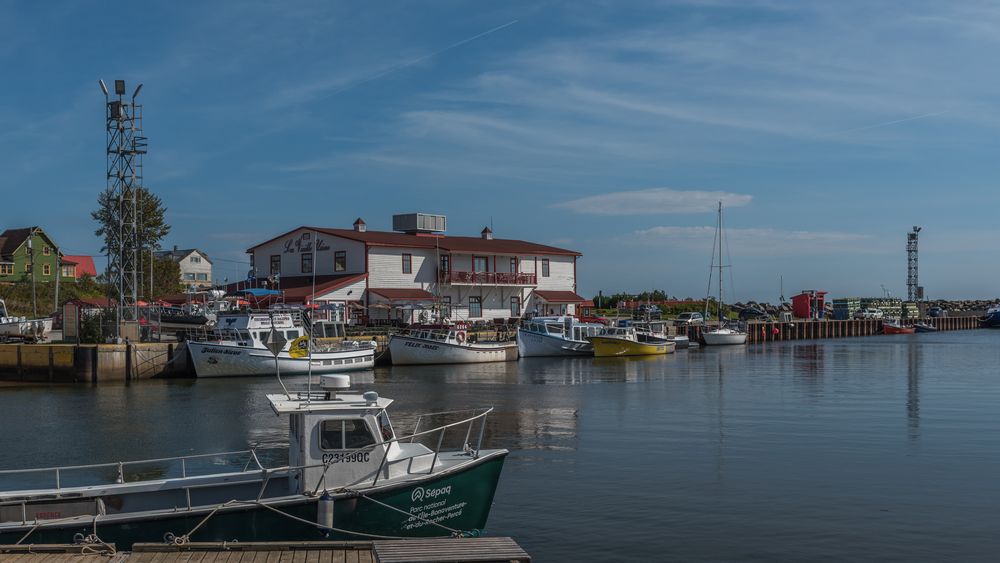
pixel 195 266
pixel 409 273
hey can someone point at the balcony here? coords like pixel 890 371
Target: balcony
pixel 486 278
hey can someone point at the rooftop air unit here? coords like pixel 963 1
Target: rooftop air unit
pixel 419 223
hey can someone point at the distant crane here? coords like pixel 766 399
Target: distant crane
pixel 912 286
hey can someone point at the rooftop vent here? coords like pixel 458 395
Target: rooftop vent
pixel 359 225
pixel 487 233
pixel 413 223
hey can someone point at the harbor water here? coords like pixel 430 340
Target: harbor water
pixel 882 448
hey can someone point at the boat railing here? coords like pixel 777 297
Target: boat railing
pixel 121 476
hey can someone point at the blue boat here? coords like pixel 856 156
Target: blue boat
pixel 992 318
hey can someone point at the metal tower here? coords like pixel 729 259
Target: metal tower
pixel 125 147
pixel 911 265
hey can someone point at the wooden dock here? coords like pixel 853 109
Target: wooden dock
pixel 760 332
pixel 454 550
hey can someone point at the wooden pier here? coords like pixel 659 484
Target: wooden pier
pixel 760 332
pixel 454 550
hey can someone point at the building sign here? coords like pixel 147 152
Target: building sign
pixel 304 243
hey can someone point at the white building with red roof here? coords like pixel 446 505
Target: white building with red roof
pixel 409 273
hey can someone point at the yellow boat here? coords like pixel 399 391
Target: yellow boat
pixel 623 341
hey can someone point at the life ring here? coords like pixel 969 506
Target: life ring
pixel 460 337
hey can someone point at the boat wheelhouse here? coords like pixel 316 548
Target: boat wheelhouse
pixel 556 336
pixel 452 345
pixel 348 476
pixel 238 347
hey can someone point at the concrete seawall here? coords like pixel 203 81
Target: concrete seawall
pixel 758 332
pixel 91 363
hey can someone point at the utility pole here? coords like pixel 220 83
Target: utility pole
pixel 55 301
pixel 31 266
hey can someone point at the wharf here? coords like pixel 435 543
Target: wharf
pixel 379 551
pixel 761 332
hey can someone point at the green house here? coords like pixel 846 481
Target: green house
pixel 18 257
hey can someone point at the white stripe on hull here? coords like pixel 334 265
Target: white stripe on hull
pixel 220 360
pixel 534 344
pixel 410 351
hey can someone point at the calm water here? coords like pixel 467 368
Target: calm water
pixel 884 448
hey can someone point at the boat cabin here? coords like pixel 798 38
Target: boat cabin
pixel 252 329
pixel 345 439
pixel 447 336
pixel 565 327
pixel 623 332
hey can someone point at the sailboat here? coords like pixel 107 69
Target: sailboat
pixel 723 334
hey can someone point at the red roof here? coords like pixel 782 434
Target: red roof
pixel 446 243
pixel 84 265
pixel 587 303
pixel 559 296
pixel 92 302
pixel 403 294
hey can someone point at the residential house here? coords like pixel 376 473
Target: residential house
pixel 408 273
pixel 195 266
pixel 30 248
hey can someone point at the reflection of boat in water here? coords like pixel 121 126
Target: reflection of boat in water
pixel 556 336
pixel 625 341
pixel 348 475
pixel 238 347
pixel 893 327
pixel 446 346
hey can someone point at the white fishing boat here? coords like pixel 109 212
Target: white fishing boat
pixel 239 346
pixel 723 334
pixel 556 336
pixel 22 328
pixel 348 476
pixel 446 346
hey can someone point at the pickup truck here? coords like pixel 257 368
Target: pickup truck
pixel 686 319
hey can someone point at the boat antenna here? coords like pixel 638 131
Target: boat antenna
pixel 309 328
pixel 719 304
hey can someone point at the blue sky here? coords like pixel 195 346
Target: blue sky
pixel 827 128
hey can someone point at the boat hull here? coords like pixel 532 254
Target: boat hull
pixel 727 338
pixel 406 350
pixel 460 500
pixel 992 320
pixel 895 329
pixel 531 344
pixel 605 346
pixel 226 360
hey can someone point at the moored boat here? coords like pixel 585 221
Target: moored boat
pixel 893 327
pixel 556 336
pixel 624 341
pixel 22 328
pixel 238 347
pixel 446 346
pixel 992 317
pixel 723 334
pixel 924 327
pixel 348 476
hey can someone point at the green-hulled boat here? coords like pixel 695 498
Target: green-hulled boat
pixel 348 477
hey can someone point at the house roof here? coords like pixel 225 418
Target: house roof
pixel 179 254
pixel 12 239
pixel 550 296
pixel 403 294
pixel 430 241
pixel 84 265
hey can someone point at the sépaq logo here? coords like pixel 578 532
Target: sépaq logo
pixel 420 493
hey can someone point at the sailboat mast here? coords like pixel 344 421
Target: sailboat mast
pixel 720 265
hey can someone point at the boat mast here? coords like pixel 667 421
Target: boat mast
pixel 720 264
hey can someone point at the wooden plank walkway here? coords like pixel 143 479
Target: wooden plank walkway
pixel 382 551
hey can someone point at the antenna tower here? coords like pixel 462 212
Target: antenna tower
pixel 911 264
pixel 125 147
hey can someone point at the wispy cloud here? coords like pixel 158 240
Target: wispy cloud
pixel 654 201
pixel 756 241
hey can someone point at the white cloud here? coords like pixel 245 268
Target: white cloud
pixel 654 201
pixel 758 242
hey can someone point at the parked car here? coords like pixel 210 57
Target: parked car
pixel 686 319
pixel 752 314
pixel 936 312
pixel 873 313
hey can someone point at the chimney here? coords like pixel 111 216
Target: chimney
pixel 359 225
pixel 487 233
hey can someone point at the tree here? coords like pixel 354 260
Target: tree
pixel 152 222
pixel 166 279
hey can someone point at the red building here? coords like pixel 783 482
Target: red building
pixel 809 304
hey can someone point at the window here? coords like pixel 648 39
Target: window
pixel 407 263
pixel 307 263
pixel 196 259
pixel 446 307
pixel 545 267
pixel 340 261
pixel 46 269
pixel 27 267
pixel 275 264
pixel 46 251
pixel 475 306
pixel 445 263
pixel 189 277
pixel 202 277
pixel 345 434
pixel 515 306
pixel 251 260
pixel 513 265
pixel 480 264
pixel 6 269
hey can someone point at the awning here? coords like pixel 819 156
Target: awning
pixel 403 294
pixel 559 296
